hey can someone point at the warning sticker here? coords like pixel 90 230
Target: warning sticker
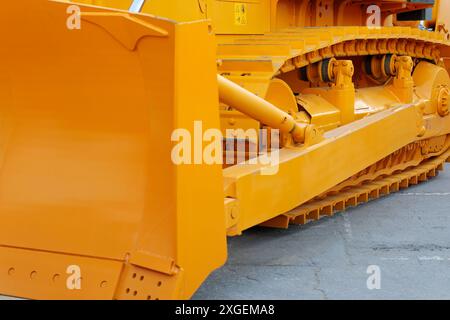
pixel 240 14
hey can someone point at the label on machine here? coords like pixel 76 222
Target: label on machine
pixel 240 14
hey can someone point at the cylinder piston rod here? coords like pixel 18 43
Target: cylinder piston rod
pixel 259 109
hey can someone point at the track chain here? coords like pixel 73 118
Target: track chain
pixel 356 195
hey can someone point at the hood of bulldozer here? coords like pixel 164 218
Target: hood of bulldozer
pixel 91 204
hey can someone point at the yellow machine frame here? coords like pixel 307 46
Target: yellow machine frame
pixel 87 115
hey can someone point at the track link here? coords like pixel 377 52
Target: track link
pixel 356 195
pixel 284 51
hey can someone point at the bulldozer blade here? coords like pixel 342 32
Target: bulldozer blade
pixel 91 205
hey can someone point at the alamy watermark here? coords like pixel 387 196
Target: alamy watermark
pixel 73 21
pixel 374 280
pixel 211 146
pixel 373 16
pixel 73 281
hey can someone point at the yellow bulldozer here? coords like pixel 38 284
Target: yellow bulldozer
pixel 137 135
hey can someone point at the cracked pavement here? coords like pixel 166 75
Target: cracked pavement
pixel 406 234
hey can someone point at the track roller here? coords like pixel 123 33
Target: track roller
pixel 380 66
pixel 319 72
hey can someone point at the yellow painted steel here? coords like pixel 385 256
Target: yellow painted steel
pixel 87 115
pixel 338 162
pixel 86 173
pixel 259 109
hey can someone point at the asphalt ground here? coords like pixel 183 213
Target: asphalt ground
pixel 401 242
